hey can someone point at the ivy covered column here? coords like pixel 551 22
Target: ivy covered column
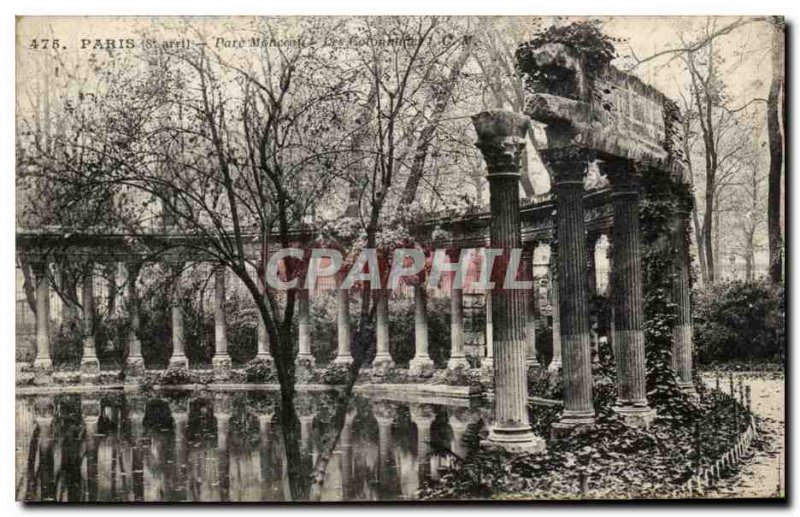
pixel 568 166
pixel 628 297
pixel 501 139
pixel 682 346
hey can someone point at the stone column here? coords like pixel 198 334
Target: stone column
pixel 488 361
pixel 682 345
pixel 221 359
pixel 263 341
pixel 530 308
pixel 421 363
pixel 457 357
pixel 555 362
pixel 178 359
pixel 343 355
pixel 501 139
pixel 42 361
pixel 90 366
pixel 591 292
pixel 628 298
pixel 383 358
pixel 568 167
pixel 135 360
pixel 304 356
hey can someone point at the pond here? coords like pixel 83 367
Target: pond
pixel 212 446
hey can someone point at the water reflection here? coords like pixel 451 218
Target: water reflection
pixel 226 447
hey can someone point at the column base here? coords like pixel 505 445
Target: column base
pixel 135 365
pixel 555 365
pixel 517 440
pixel 345 360
pixel 570 421
pixel 179 361
pixel 43 364
pixel 636 416
pixel 265 356
pixel 532 364
pixel 687 387
pixel 90 365
pixel 457 362
pixel 381 363
pixel 221 361
pixel 421 367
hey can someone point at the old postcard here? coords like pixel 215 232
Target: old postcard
pixel 399 258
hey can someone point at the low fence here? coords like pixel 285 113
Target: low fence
pixel 706 478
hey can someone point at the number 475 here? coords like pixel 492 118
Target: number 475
pixel 44 44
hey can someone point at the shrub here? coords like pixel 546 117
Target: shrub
pixel 174 377
pixel 740 321
pixel 260 371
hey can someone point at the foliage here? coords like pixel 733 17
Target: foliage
pixel 619 461
pixel 67 344
pixel 592 47
pixel 740 321
pixel 260 371
pixel 174 377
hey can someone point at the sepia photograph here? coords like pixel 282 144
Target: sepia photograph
pixel 399 259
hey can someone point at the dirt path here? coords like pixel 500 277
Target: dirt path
pixel 764 473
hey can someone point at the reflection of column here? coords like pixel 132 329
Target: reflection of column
pixel 135 360
pixel 568 170
pixel 304 328
pixel 555 310
pixel 180 416
pixel 223 417
pixel 136 416
pixel 459 427
pixel 44 420
pixel 501 139
pixel 178 359
pixel 221 359
pixel 421 361
pixel 42 361
pixel 682 345
pixel 530 307
pixel 384 416
pixel 422 416
pixel 383 358
pixel 628 300
pixel 343 355
pixel 90 366
pixel 90 408
pixel 306 426
pixel 346 450
pixel 457 357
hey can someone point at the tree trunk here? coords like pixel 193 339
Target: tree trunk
pixel 775 154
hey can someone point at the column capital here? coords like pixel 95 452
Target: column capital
pixel 501 139
pixel 567 164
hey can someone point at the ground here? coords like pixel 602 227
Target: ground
pixel 764 475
